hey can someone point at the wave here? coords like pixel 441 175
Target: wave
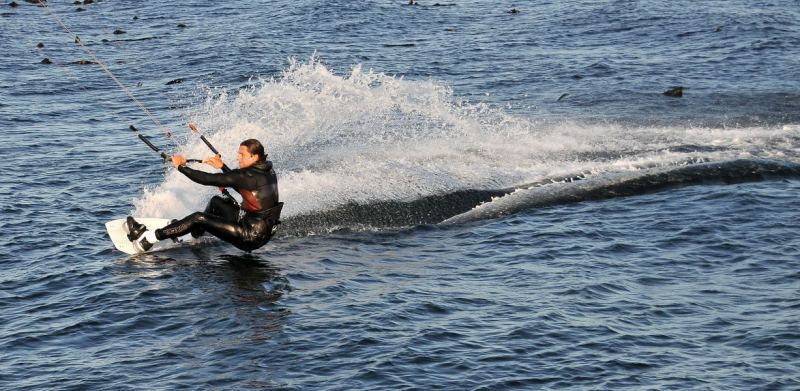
pixel 367 149
pixel 388 214
pixel 628 184
pixel 471 205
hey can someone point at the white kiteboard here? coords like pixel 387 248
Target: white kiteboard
pixel 119 235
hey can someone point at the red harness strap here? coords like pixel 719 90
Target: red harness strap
pixel 249 201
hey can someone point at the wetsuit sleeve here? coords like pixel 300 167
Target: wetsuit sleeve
pixel 232 178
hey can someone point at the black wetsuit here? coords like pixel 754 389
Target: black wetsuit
pixel 258 186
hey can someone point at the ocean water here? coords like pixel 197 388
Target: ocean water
pixel 474 199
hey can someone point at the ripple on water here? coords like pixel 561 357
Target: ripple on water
pixel 685 288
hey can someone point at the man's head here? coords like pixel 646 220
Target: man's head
pixel 250 152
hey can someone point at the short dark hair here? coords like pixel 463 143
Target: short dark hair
pixel 255 148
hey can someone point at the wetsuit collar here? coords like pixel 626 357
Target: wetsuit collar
pixel 262 165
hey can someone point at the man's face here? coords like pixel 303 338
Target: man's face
pixel 246 159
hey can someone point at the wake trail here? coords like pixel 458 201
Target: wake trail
pixel 367 138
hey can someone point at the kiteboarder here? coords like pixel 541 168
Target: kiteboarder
pixel 248 226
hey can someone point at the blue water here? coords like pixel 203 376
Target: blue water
pixel 474 199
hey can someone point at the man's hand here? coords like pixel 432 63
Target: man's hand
pixel 178 160
pixel 214 161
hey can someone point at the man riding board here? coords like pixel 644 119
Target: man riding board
pixel 247 227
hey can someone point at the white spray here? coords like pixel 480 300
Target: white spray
pixel 368 136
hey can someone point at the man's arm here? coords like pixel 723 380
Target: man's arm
pixel 216 162
pixel 232 178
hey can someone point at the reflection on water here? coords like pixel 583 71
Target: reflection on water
pixel 240 289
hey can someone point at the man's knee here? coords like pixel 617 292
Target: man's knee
pixel 198 217
pixel 213 204
pixel 219 204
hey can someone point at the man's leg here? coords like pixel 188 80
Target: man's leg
pixel 222 207
pixel 228 231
